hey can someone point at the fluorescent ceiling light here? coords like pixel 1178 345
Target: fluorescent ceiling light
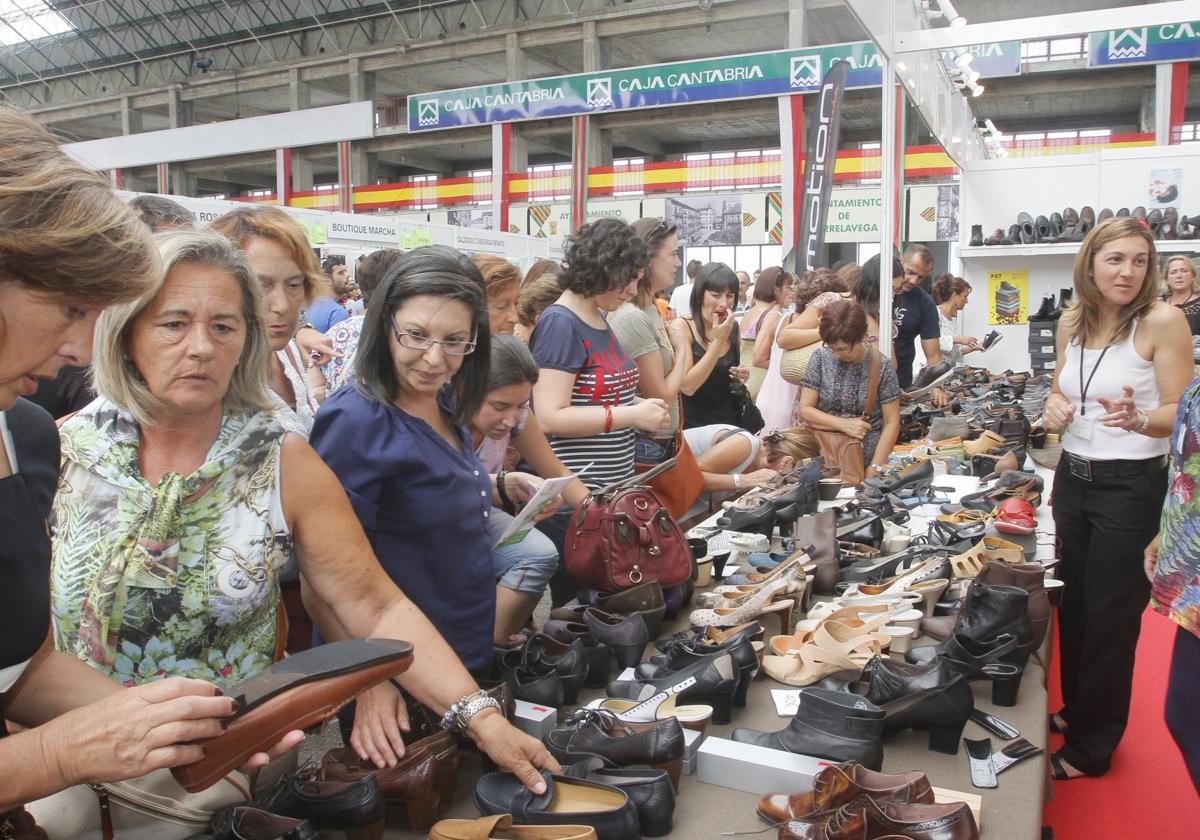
pixel 976 90
pixel 28 20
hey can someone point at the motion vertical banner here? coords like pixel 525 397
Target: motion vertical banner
pixel 823 134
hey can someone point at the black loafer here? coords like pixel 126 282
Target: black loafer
pixel 650 791
pixel 575 801
pixel 245 822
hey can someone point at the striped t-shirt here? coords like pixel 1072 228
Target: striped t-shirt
pixel 604 375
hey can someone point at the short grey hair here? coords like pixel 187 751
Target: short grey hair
pixel 113 371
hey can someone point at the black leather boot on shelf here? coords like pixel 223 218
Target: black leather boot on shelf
pixel 834 725
pixel 991 616
pixel 688 652
pixel 976 236
pixel 714 683
pixel 931 697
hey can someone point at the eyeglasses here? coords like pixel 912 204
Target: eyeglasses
pixel 663 224
pixel 415 341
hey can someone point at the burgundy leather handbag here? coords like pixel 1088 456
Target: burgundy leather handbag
pixel 623 535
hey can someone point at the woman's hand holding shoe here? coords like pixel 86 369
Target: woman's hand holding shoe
pixel 1059 412
pixel 855 427
pixel 137 730
pixel 512 749
pixel 380 717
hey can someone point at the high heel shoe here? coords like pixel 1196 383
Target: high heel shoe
pixel 758 520
pixel 930 697
pixel 661 706
pixel 750 608
pixel 741 643
pixel 624 635
pixel 734 595
pixel 919 473
pixel 832 649
pixel 711 680
pixel 986 661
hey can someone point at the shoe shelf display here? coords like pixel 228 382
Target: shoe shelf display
pixel 1068 228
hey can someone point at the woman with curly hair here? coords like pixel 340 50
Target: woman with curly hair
pixel 585 393
pixel 586 386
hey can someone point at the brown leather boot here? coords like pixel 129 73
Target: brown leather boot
pixel 423 780
pixel 838 785
pixel 866 819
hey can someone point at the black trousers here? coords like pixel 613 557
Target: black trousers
pixel 1103 525
pixel 1183 698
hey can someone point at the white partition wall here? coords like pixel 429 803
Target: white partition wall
pixel 995 191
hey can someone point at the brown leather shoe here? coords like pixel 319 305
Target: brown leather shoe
pixel 295 693
pixel 500 826
pixel 423 780
pixel 865 819
pixel 839 784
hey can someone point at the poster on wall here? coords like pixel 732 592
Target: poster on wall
pixel 1164 186
pixel 555 219
pixel 947 212
pixel 476 218
pixel 706 220
pixel 1008 297
pixel 754 219
pixel 854 215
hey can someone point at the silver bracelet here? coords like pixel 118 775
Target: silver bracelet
pixel 460 713
pixel 1141 430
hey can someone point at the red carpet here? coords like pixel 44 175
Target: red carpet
pixel 1147 793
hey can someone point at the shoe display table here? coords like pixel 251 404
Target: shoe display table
pixel 1012 811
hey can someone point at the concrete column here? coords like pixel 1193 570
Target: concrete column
pixel 302 172
pixel 1146 116
pixel 299 93
pixel 282 176
pixel 362 82
pixel 183 183
pixel 131 120
pixel 796 33
pixel 179 113
pixel 516 68
pixel 597 55
pixel 346 179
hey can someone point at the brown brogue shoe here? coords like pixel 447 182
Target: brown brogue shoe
pixel 840 784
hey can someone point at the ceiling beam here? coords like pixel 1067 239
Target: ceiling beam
pixel 1046 26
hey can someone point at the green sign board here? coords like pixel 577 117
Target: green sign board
pixel 681 83
pixel 1145 44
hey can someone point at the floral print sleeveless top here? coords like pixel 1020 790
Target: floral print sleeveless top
pixel 175 580
pixel 1176 589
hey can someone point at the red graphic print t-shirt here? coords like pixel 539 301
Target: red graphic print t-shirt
pixel 604 375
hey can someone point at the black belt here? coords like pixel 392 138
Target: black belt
pixel 1088 469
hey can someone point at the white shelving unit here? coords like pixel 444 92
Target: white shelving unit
pixel 1058 249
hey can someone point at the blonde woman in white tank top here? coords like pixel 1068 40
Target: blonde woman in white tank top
pixel 1124 359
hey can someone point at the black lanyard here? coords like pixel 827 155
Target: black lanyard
pixel 1083 389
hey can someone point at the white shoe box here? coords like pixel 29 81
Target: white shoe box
pixel 535 720
pixel 755 769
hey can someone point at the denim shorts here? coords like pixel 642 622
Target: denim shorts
pixel 526 566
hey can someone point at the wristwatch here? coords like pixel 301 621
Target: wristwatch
pixel 459 715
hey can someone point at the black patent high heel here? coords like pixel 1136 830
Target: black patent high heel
pixel 758 520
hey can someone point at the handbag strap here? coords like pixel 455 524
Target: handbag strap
pixel 637 478
pixel 872 382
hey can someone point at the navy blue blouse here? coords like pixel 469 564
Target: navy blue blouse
pixel 424 507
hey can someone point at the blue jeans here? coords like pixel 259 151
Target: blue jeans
pixel 526 566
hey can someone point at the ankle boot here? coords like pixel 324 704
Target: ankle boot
pixel 1032 578
pixel 834 725
pixel 931 697
pixel 976 236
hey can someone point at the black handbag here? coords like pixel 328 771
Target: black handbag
pixel 747 414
